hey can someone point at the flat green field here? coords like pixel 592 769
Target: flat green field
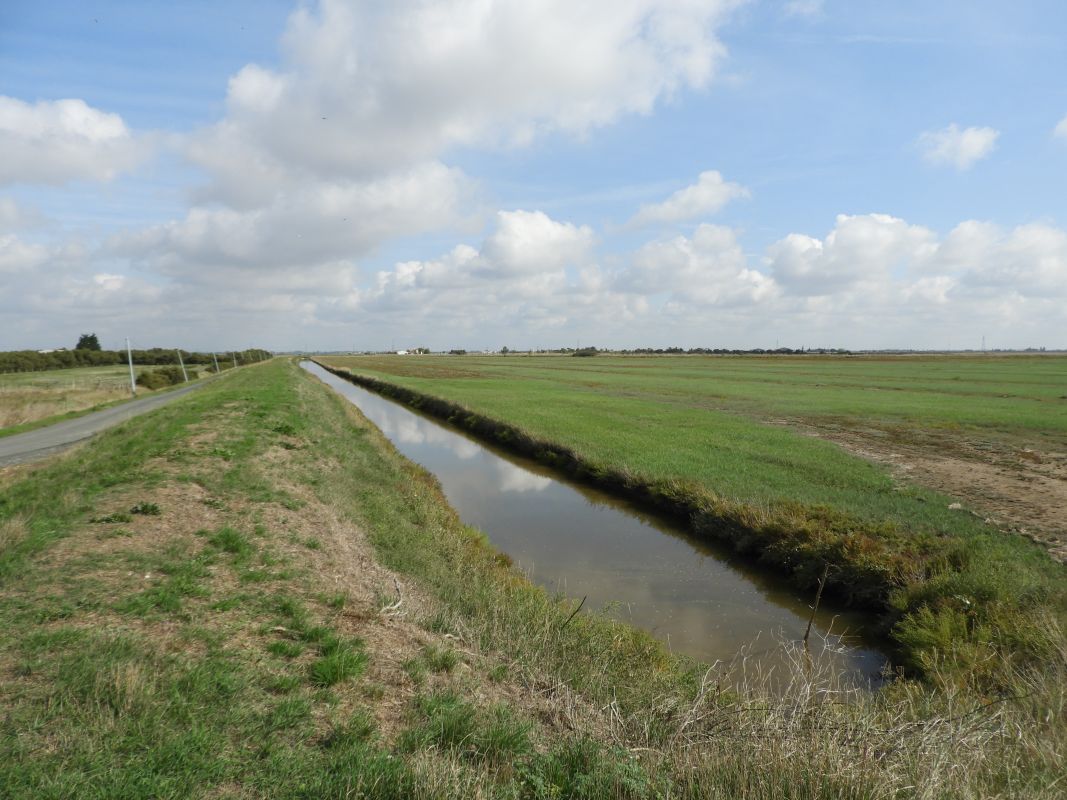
pixel 77 378
pixel 699 427
pixel 665 416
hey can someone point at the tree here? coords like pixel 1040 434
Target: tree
pixel 87 341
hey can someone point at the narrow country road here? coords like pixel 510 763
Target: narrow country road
pixel 43 442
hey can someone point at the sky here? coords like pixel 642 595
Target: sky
pixel 347 174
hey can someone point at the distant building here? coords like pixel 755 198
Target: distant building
pixel 401 352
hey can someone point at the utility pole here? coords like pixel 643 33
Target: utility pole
pixel 232 353
pixel 129 358
pixel 215 358
pixel 182 365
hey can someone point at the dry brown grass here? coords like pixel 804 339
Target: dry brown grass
pixel 12 531
pixel 19 405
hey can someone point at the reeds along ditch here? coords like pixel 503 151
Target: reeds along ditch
pixel 910 581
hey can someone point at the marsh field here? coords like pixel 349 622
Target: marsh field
pixel 27 398
pixel 251 593
pixel 931 488
pixel 30 396
pixel 991 431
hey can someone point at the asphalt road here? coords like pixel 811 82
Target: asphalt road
pixel 43 442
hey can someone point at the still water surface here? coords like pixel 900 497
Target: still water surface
pixel 689 593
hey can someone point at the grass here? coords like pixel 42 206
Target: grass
pixel 447 722
pixel 30 400
pixel 143 666
pixel 339 661
pixel 670 431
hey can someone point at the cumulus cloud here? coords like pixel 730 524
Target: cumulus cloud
pixel 958 147
pixel 57 141
pixel 867 281
pixel 530 268
pixel 1061 129
pixel 51 292
pixel 899 284
pixel 315 223
pixel 527 242
pixel 879 253
pixel 707 196
pixel 860 249
pixel 344 147
pixel 340 148
pixel 707 269
pixel 381 86
pixel 1027 261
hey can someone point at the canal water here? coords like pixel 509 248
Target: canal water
pixel 689 593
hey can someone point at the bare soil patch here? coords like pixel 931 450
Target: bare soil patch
pixel 1019 487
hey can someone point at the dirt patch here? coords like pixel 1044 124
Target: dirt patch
pixel 1020 489
pixel 182 512
pixel 389 613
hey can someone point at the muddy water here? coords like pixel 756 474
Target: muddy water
pixel 579 541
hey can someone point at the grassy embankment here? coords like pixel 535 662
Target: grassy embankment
pixel 249 593
pixel 30 400
pixel 667 430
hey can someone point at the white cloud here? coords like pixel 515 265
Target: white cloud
pixel 1027 261
pixel 956 147
pixel 860 249
pixel 315 223
pixel 1061 129
pixel 708 269
pixel 892 269
pixel 530 268
pixel 873 280
pixel 339 149
pixel 343 148
pixel 707 196
pixel 526 242
pixel 50 293
pixel 379 86
pixel 54 142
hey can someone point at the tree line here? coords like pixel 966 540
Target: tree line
pixel 33 361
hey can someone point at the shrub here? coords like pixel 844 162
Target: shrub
pixel 160 378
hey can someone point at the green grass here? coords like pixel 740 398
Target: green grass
pixel 667 417
pixel 339 661
pixel 77 377
pixel 448 722
pixel 192 683
pixel 671 431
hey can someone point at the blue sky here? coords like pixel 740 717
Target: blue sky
pixel 472 174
